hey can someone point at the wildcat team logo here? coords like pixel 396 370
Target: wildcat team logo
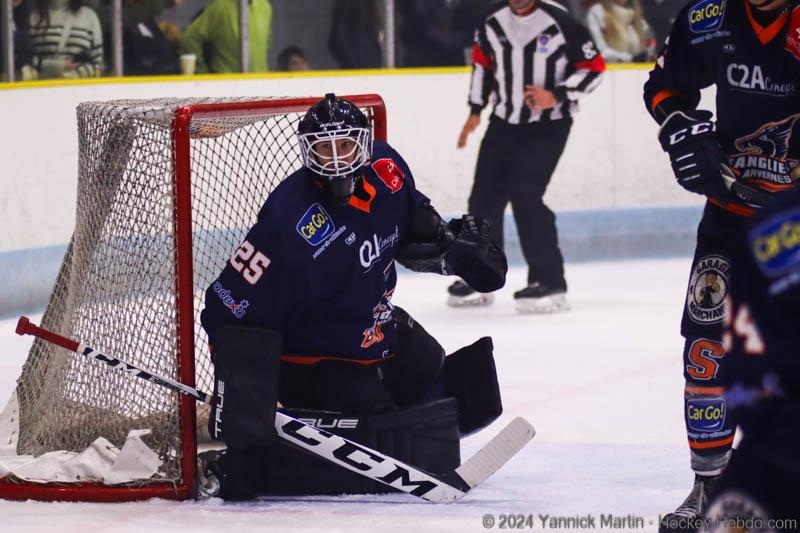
pixel 707 289
pixel 771 139
pixel 381 314
pixel 764 155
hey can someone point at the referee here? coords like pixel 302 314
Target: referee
pixel 533 60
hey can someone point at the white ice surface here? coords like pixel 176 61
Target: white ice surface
pixel 601 384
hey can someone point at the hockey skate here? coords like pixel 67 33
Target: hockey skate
pixel 538 298
pixel 459 294
pixel 688 516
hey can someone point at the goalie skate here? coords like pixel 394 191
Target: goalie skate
pixel 459 294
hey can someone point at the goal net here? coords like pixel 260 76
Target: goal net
pixel 166 192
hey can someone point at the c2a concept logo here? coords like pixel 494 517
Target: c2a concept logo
pixel 706 15
pixel 315 225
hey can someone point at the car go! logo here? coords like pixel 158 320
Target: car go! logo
pixel 315 225
pixel 706 16
pixel 706 415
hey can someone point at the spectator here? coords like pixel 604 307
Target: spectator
pixel 354 40
pixel 23 53
pixel 661 16
pixel 146 49
pixel 292 58
pixel 620 31
pixel 67 39
pixel 213 36
pixel 434 32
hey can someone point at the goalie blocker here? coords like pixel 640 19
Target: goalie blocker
pixel 421 424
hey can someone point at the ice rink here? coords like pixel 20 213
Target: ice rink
pixel 601 384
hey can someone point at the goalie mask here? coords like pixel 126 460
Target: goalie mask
pixel 335 143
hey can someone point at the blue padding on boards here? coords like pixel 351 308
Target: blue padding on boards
pixel 27 276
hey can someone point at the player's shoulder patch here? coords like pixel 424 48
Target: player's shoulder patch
pixel 775 243
pixel 389 173
pixel 315 225
pixel 706 15
pixel 793 34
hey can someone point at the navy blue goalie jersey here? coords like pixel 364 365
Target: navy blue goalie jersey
pixel 756 71
pixel 321 275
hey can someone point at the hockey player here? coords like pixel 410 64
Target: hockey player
pixel 750 50
pixel 762 375
pixel 302 314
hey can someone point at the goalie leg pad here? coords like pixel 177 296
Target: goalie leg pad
pixel 470 376
pixel 246 362
pixel 417 363
pixel 425 436
pixel 334 386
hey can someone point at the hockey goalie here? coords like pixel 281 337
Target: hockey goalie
pixel 302 316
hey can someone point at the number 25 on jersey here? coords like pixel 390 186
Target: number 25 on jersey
pixel 250 262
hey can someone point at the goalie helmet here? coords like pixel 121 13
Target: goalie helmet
pixel 335 143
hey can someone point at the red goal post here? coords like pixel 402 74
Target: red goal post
pixel 166 190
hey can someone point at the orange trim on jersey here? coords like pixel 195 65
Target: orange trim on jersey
pixel 358 203
pixel 312 360
pixel 710 444
pixel 598 64
pixel 765 35
pixel 693 389
pixel 736 209
pixel 661 96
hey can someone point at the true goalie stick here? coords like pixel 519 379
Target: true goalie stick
pixel 373 464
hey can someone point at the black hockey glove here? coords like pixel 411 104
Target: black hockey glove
pixel 427 237
pixel 690 139
pixel 474 256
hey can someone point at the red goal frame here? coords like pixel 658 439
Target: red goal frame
pixel 184 271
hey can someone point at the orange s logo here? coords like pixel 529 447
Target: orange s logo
pixel 703 356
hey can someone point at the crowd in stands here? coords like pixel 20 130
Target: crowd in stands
pixel 72 38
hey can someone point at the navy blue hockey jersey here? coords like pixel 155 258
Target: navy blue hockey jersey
pixel 321 275
pixel 756 71
pixel 762 327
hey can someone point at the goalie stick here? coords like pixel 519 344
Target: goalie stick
pixel 370 463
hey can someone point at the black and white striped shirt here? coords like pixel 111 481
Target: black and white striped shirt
pixel 547 48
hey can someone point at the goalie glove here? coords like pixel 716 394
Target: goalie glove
pixel 474 256
pixel 461 247
pixel 427 238
pixel 690 139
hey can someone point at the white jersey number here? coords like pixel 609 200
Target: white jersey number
pixel 250 262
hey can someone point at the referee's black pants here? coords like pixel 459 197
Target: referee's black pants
pixel 515 164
